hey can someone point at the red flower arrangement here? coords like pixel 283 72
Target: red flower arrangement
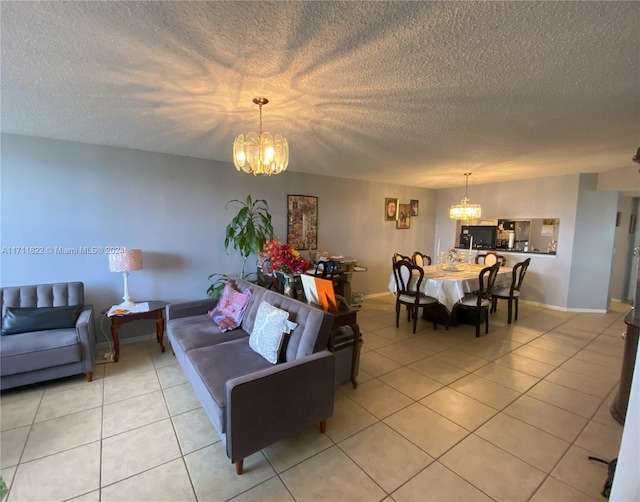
pixel 282 258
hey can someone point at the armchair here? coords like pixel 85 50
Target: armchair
pixel 43 354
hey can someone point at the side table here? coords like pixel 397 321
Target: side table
pixel 347 317
pixel 154 314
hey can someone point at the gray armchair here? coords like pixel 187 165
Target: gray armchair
pixel 44 354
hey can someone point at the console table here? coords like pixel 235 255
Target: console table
pixel 154 314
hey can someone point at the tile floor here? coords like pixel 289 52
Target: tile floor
pixel 437 416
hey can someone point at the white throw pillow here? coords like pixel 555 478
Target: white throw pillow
pixel 269 328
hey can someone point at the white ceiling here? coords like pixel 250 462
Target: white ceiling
pixel 415 93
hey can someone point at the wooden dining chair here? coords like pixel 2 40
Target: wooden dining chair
pixel 512 293
pixel 481 302
pixel 489 258
pixel 421 259
pixel 409 278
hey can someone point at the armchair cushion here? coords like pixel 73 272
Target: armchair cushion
pixel 268 331
pixel 24 319
pixel 38 349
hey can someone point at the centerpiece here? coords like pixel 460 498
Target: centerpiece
pixel 284 259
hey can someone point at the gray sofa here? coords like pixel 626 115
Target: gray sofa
pixel 251 402
pixel 44 354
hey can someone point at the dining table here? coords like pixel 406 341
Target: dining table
pixel 449 284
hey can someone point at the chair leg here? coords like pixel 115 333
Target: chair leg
pixel 435 315
pixel 89 376
pixel 486 321
pixel 477 323
pixel 510 310
pixel 239 467
pixel 397 314
pixel 516 301
pixel 415 318
pixel 323 426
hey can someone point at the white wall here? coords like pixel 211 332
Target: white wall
pixel 66 194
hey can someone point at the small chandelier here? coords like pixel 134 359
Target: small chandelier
pixel 260 153
pixel 465 210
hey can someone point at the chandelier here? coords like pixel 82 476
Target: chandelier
pixel 260 153
pixel 465 210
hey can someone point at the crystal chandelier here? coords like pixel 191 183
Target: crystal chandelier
pixel 260 153
pixel 465 210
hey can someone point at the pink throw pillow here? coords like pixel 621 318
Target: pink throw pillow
pixel 230 309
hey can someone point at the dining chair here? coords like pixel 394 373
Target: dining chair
pixel 409 277
pixel 512 293
pixel 421 259
pixel 481 302
pixel 489 258
pixel 398 257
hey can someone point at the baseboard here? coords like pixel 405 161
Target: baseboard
pixel 563 309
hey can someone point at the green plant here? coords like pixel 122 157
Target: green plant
pixel 247 232
pixel 3 488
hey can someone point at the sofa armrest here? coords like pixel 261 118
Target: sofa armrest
pixel 188 309
pixel 271 404
pixel 87 337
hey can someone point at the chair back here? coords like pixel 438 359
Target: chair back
pixel 489 258
pixel 398 257
pixel 517 275
pixel 487 279
pixel 408 278
pixel 421 259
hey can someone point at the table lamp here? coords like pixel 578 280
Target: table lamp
pixel 127 260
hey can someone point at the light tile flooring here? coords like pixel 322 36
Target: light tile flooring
pixel 437 416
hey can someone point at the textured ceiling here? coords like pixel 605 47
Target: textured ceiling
pixel 415 93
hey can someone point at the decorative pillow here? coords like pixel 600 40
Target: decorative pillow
pixel 22 319
pixel 269 329
pixel 230 308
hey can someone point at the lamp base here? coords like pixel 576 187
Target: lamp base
pixel 127 303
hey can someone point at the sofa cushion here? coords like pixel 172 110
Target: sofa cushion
pixel 22 319
pixel 198 331
pixel 39 349
pixel 230 308
pixel 269 329
pixel 218 364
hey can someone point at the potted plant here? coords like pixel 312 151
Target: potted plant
pixel 247 232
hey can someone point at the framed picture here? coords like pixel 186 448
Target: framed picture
pixel 414 207
pixel 391 209
pixel 404 216
pixel 302 221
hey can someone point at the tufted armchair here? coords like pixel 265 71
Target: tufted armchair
pixel 45 352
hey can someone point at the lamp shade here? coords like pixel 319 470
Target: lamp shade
pixel 127 260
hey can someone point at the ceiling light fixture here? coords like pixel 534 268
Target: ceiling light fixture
pixel 465 210
pixel 260 153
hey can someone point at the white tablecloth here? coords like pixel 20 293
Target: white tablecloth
pixel 449 287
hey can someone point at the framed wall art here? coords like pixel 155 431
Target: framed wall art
pixel 391 209
pixel 404 217
pixel 302 221
pixel 414 207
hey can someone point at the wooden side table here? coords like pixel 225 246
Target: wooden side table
pixel 347 317
pixel 154 314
